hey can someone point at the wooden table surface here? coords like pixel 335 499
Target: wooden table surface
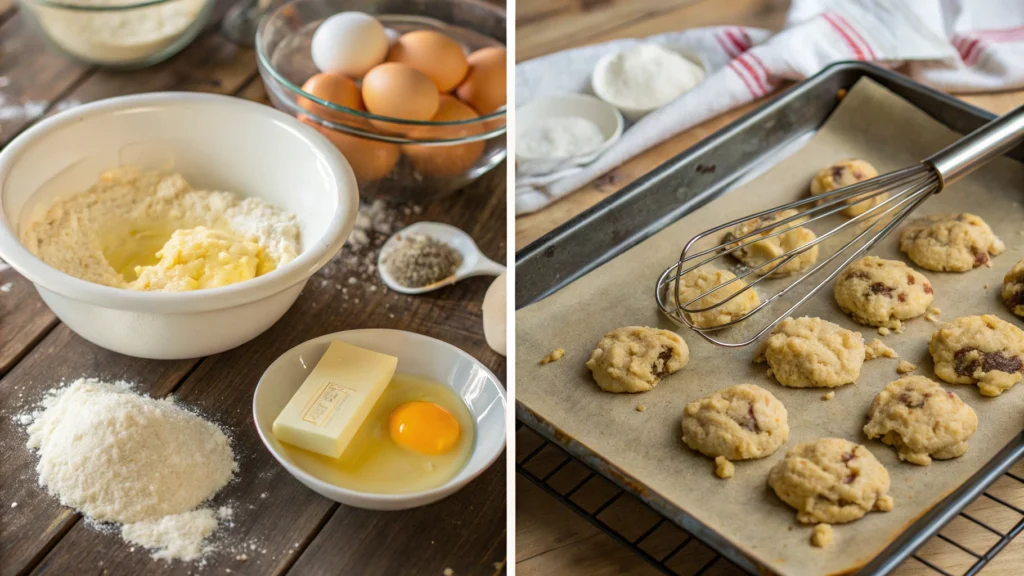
pixel 551 539
pixel 287 528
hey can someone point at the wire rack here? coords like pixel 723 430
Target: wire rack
pixel 962 548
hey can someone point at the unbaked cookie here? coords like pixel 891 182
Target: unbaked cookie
pixel 950 242
pixel 921 420
pixel 982 350
pixel 740 422
pixel 831 480
pixel 699 281
pixel 636 358
pixel 878 292
pixel 811 352
pixel 1013 289
pixel 759 253
pixel 847 173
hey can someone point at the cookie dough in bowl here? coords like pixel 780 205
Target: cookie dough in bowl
pixel 701 280
pixel 921 420
pixel 983 350
pixel 636 358
pixel 843 174
pixel 878 292
pixel 216 143
pixel 811 353
pixel 757 254
pixel 1013 289
pixel 739 423
pixel 831 480
pixel 950 242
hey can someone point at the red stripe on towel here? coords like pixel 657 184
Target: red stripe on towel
pixel 735 68
pixel 856 34
pixel 757 78
pixel 767 75
pixel 725 44
pixel 734 38
pixel 858 54
pixel 973 51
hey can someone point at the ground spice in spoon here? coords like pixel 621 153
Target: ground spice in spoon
pixel 418 260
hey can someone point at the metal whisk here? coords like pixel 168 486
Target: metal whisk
pixel 906 188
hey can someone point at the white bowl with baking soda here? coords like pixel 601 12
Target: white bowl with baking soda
pixel 435 420
pixel 214 142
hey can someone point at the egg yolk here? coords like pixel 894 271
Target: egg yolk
pixel 423 427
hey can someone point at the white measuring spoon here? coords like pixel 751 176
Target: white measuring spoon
pixel 474 263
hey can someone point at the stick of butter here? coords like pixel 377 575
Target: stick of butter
pixel 327 410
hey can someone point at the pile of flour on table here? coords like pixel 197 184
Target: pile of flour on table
pixel 147 465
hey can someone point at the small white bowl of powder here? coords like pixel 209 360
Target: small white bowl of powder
pixel 643 78
pixel 559 132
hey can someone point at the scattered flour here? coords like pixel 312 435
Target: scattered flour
pixel 122 458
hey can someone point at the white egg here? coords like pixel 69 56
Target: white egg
pixel 495 314
pixel 349 43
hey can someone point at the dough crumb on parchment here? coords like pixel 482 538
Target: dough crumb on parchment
pixel 555 356
pixel 883 331
pixel 723 468
pixel 877 349
pixel 828 395
pixel 905 367
pixel 823 535
pixel 640 407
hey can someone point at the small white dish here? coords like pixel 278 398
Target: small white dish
pixel 217 143
pixel 474 263
pixel 630 113
pixel 605 116
pixel 417 355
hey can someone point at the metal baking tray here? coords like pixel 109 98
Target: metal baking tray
pixel 689 181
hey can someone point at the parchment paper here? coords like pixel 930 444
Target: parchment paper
pixel 870 123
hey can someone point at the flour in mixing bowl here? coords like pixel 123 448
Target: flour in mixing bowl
pixel 147 464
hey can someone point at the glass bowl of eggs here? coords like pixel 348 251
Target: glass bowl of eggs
pixel 411 91
pixel 122 34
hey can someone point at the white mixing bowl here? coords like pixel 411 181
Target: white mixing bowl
pixel 217 143
pixel 417 355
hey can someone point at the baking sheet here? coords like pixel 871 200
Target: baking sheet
pixel 870 123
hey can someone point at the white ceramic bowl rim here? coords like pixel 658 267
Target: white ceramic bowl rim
pixel 371 496
pixel 315 254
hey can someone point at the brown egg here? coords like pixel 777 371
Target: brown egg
pixel 336 89
pixel 370 160
pixel 484 86
pixel 446 160
pixel 400 91
pixel 434 54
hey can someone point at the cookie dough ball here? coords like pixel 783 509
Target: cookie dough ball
pixel 982 350
pixel 699 281
pixel 921 420
pixel 950 242
pixel 636 358
pixel 843 174
pixel 811 352
pixel 761 252
pixel 739 423
pixel 1013 289
pixel 832 481
pixel 878 292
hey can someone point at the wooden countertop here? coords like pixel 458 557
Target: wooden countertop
pixel 293 530
pixel 551 539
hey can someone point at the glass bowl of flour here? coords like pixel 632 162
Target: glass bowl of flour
pixel 393 159
pixel 118 33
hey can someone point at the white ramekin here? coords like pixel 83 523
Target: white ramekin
pixel 216 142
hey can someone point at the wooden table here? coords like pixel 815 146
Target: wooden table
pixel 294 530
pixel 550 539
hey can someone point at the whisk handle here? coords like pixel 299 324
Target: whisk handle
pixel 977 148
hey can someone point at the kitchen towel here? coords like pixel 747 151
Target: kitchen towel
pixel 954 45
